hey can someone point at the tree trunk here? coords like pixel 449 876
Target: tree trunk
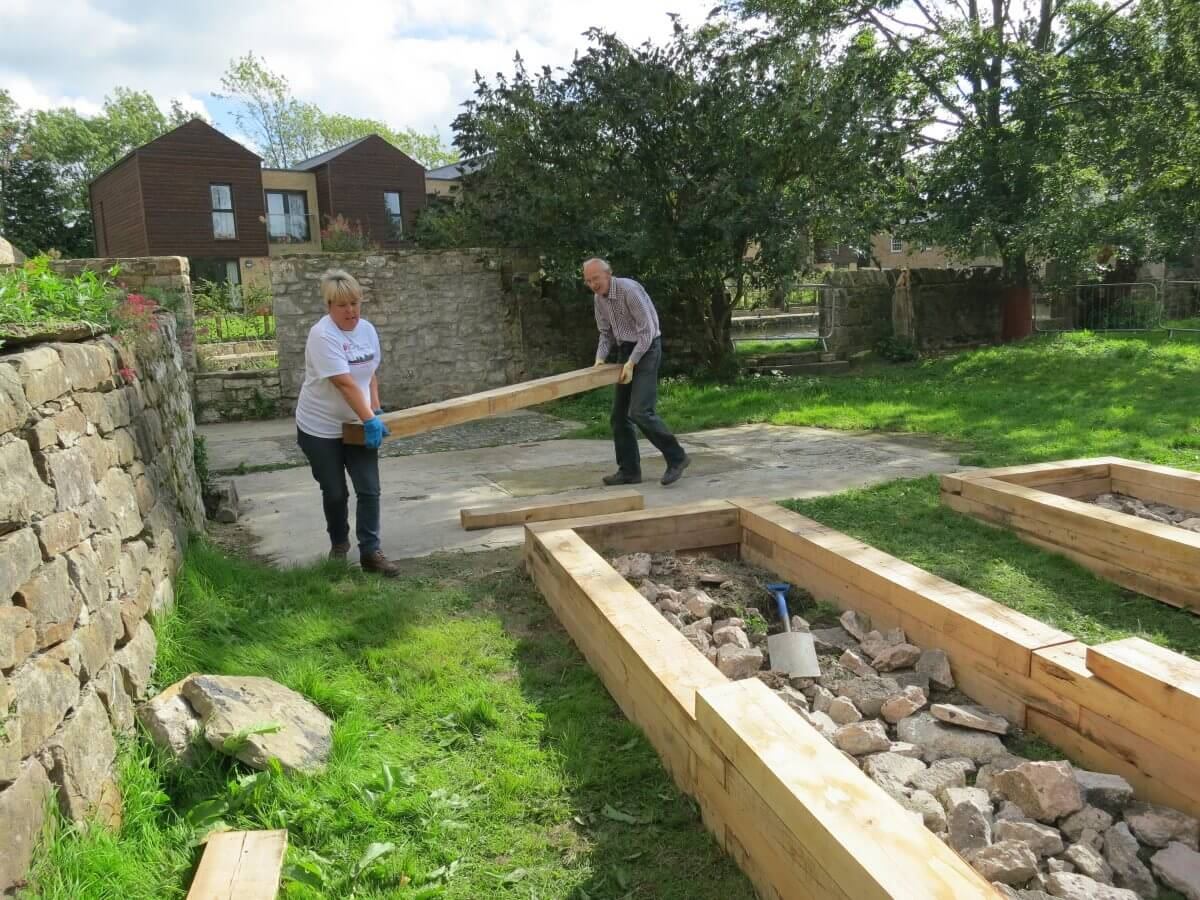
pixel 720 331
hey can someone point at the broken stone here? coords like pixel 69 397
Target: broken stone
pixel 649 590
pixel 900 748
pixel 861 738
pixel 968 818
pixel 833 640
pixel 1009 811
pixel 1179 867
pixel 1058 865
pixel 792 697
pixel 731 635
pixel 23 811
pixel 928 806
pixel 1042 839
pixel 18 639
pixel 856 624
pixel 1006 862
pixel 172 723
pixel 633 565
pixel 800 624
pixel 987 773
pixel 1160 825
pixel 698 603
pixel 1111 793
pixel 853 661
pixel 1047 791
pixel 53 601
pixel 900 656
pixel 772 679
pixel 739 662
pixel 713 579
pixel 699 638
pixel 1121 854
pixel 136 660
pixel 821 722
pixel 875 642
pixel 234 708
pixel 844 712
pixel 729 623
pixel 891 771
pixel 936 665
pixel 975 717
pixel 1087 819
pixel 939 741
pixel 937 778
pixel 1088 862
pixel 674 620
pixel 869 694
pixel 110 686
pixel 903 705
pixel 45 690
pixel 821 699
pixel 1071 886
pixel 669 603
pixel 79 760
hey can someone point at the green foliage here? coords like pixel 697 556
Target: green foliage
pixel 34 294
pixel 469 760
pixel 897 349
pixel 200 459
pixel 340 235
pixel 286 130
pixel 674 161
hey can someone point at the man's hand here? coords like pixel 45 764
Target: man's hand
pixel 374 431
pixel 627 372
pixel 598 362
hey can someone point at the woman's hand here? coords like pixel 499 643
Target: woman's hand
pixel 374 431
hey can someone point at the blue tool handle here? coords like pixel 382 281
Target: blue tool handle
pixel 781 605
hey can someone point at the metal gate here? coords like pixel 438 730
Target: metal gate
pixel 1181 306
pixel 813 320
pixel 1127 306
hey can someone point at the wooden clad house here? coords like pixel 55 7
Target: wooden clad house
pixel 195 192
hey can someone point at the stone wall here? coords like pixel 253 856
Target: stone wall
pixel 951 308
pixel 451 322
pixel 169 274
pixel 234 396
pixel 99 494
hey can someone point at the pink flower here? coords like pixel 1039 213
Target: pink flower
pixel 127 373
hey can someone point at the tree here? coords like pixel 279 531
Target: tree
pixel 10 140
pixel 999 155
pixel 33 209
pixel 673 162
pixel 286 130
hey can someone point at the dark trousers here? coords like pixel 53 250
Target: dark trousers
pixel 330 460
pixel 634 405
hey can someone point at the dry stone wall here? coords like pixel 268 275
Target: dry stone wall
pixel 99 492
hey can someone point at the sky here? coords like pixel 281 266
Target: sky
pixel 410 63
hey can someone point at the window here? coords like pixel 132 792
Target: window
pixel 897 245
pixel 391 203
pixel 287 217
pixel 222 212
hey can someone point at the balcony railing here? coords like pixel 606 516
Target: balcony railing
pixel 291 228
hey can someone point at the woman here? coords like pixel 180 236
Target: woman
pixel 340 385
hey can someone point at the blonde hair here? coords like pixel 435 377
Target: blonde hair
pixel 338 284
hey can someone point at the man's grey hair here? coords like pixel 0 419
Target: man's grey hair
pixel 602 263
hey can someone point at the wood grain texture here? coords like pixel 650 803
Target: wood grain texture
pixel 240 865
pixel 544 509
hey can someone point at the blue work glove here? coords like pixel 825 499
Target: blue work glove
pixel 374 432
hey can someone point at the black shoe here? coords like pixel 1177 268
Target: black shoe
pixel 380 564
pixel 621 478
pixel 339 552
pixel 673 473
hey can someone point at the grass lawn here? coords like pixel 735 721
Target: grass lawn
pixel 473 746
pixel 1048 398
pixel 763 348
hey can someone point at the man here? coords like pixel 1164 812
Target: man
pixel 627 320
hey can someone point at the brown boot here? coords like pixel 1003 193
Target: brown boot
pixel 339 552
pixel 380 564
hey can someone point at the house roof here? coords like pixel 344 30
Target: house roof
pixel 321 158
pixel 190 123
pixel 457 170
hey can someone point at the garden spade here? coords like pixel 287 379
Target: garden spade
pixel 792 651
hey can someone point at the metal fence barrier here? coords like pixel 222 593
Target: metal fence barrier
pixel 1127 306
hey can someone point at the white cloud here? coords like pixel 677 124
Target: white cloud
pixel 407 62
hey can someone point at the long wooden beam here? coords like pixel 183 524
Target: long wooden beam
pixel 545 509
pixel 428 416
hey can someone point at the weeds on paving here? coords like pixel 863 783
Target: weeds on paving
pixel 475 754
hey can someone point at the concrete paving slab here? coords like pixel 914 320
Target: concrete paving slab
pixel 422 493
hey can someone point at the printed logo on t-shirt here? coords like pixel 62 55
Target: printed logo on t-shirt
pixel 358 354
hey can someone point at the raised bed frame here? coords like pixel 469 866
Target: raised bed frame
pixel 1039 503
pixel 796 815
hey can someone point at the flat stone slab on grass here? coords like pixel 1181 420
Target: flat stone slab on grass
pixel 234 708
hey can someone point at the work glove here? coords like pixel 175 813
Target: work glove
pixel 627 372
pixel 599 361
pixel 374 431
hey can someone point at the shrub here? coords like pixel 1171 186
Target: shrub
pixel 897 349
pixel 34 294
pixel 342 236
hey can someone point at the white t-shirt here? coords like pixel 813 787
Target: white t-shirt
pixel 321 409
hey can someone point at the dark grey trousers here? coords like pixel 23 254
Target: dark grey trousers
pixel 634 405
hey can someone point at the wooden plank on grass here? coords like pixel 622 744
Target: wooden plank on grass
pixel 429 416
pixel 1164 680
pixel 544 509
pixel 240 865
pixel 863 839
